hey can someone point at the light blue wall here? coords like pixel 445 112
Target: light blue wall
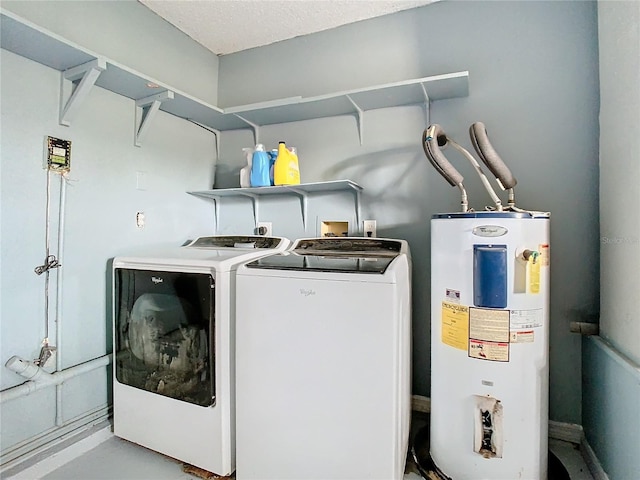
pixel 619 26
pixel 611 364
pixel 101 204
pixel 129 33
pixel 534 83
pixel 611 401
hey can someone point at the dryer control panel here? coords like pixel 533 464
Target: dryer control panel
pixel 347 246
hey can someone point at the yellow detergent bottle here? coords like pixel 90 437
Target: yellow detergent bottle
pixel 286 170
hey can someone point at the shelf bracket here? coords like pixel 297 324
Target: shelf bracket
pixel 75 86
pixel 304 202
pixel 254 126
pixel 217 134
pixel 360 114
pixel 256 206
pixel 216 213
pixel 212 130
pixel 356 194
pixel 427 105
pixel 146 109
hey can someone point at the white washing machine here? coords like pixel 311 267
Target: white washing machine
pixel 323 361
pixel 173 343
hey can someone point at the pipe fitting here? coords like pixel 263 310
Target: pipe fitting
pixel 41 379
pixel 28 370
pixel 584 328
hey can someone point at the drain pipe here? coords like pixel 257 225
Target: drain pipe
pixel 59 275
pixel 38 378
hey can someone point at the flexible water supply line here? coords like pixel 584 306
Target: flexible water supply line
pixel 483 177
pixel 464 200
pixel 512 198
pixel 431 138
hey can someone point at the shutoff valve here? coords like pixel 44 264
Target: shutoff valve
pixel 527 254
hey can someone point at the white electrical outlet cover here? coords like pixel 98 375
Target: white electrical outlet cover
pixel 369 228
pixel 268 226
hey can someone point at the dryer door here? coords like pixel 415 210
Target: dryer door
pixel 163 324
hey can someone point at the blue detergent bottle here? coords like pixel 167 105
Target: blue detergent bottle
pixel 260 167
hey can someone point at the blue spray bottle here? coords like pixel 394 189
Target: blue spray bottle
pixel 273 154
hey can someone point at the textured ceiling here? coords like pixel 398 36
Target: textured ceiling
pixel 228 26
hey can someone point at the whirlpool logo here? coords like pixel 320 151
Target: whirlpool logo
pixel 307 292
pixel 157 280
pixel 489 231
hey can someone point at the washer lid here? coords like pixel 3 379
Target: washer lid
pixel 330 262
pixel 362 246
pixel 236 241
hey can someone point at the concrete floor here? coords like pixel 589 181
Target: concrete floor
pixel 102 456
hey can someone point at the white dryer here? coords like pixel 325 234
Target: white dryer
pixel 173 343
pixel 323 361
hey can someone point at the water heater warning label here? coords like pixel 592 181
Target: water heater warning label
pixel 490 325
pixel 522 336
pixel 455 325
pixel 545 259
pixel 526 319
pixel 496 351
pixel 489 334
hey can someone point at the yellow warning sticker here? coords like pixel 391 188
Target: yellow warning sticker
pixel 455 325
pixel 533 274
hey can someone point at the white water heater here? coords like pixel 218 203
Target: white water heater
pixel 489 344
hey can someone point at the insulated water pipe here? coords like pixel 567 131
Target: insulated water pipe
pixel 432 139
pixel 492 160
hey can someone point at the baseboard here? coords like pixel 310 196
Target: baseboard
pixel 56 460
pixel 592 461
pixel 34 449
pixel 572 433
pixel 567 432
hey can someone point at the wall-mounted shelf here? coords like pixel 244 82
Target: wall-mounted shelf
pixel 31 41
pixel 302 191
pixel 355 102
